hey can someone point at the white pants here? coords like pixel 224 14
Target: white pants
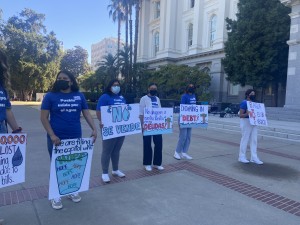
pixel 248 132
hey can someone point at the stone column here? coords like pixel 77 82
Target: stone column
pixel 292 99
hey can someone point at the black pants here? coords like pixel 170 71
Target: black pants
pixel 157 157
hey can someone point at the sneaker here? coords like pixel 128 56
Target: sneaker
pixel 243 160
pixel 148 168
pixel 105 178
pixel 75 197
pixel 117 173
pixel 257 161
pixel 177 156
pixel 159 167
pixel 186 156
pixel 56 203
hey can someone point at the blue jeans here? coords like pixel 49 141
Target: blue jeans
pixel 184 140
pixel 3 128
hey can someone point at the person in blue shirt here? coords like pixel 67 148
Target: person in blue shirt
pixel 111 147
pixel 185 134
pixel 151 101
pixel 249 132
pixel 64 105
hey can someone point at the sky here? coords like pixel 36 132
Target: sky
pixel 75 22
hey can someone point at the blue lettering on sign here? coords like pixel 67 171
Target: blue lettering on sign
pixel 107 131
pixel 118 115
pixel 128 127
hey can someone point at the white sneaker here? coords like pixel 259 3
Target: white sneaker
pixel 105 178
pixel 56 203
pixel 75 197
pixel 117 173
pixel 159 167
pixel 186 156
pixel 148 168
pixel 257 161
pixel 177 156
pixel 243 160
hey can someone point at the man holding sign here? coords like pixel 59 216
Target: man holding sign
pixel 249 132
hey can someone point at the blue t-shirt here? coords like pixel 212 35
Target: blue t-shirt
pixel 4 103
pixel 65 110
pixel 107 99
pixel 243 106
pixel 188 99
pixel 154 101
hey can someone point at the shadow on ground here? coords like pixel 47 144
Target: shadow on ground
pixel 269 170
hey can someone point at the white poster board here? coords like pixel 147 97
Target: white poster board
pixel 70 167
pixel 120 120
pixel 12 159
pixel 158 121
pixel 257 113
pixel 193 116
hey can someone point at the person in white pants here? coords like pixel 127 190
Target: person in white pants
pixel 249 132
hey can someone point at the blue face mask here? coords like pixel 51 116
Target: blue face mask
pixel 115 89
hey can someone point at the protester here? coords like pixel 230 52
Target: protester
pixel 6 114
pixel 151 101
pixel 64 120
pixel 185 134
pixel 111 147
pixel 249 132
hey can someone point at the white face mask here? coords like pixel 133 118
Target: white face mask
pixel 115 89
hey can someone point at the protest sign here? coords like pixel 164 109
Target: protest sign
pixel 12 159
pixel 257 113
pixel 193 116
pixel 70 167
pixel 158 121
pixel 120 120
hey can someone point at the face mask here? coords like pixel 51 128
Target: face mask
pixel 115 89
pixel 252 98
pixel 62 84
pixel 153 92
pixel 191 90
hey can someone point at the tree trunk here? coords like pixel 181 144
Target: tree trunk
pixel 119 40
pixel 137 20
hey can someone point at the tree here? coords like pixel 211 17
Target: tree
pixel 136 30
pixel 32 53
pixel 108 66
pixel 75 61
pixel 256 52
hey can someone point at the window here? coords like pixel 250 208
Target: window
pixel 234 89
pixel 156 43
pixel 192 3
pixel 213 29
pixel 156 9
pixel 190 34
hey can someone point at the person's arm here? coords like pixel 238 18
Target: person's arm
pixel 45 121
pixel 91 123
pixel 243 113
pixel 12 121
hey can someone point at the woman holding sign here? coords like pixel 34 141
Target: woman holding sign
pixel 185 134
pixel 110 147
pixel 64 105
pixel 249 132
pixel 151 101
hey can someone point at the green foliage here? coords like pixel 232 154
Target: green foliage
pixel 256 52
pixel 75 61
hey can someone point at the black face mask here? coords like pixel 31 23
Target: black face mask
pixel 153 92
pixel 191 90
pixel 62 84
pixel 252 98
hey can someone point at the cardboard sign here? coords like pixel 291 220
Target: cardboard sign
pixel 70 167
pixel 12 159
pixel 158 121
pixel 193 116
pixel 120 120
pixel 257 113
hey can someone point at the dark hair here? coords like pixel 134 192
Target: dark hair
pixel 4 74
pixel 152 84
pixel 187 87
pixel 247 93
pixel 74 86
pixel 110 84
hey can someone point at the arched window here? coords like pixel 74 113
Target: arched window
pixel 190 34
pixel 156 42
pixel 156 9
pixel 192 3
pixel 212 29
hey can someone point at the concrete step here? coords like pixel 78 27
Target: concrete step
pixel 283 114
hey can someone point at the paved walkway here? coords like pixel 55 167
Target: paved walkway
pixel 211 189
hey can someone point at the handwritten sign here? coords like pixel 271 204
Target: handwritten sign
pixel 257 113
pixel 12 159
pixel 158 121
pixel 70 167
pixel 120 120
pixel 193 116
